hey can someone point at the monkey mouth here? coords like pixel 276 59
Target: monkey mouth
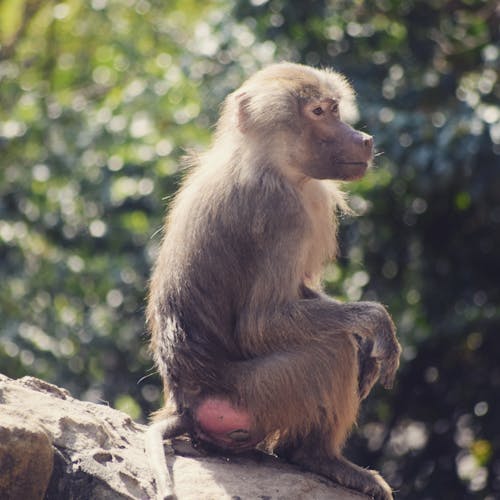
pixel 354 163
pixel 363 164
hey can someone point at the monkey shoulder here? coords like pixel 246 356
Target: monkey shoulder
pixel 268 205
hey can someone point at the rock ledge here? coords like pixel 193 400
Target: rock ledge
pixel 53 446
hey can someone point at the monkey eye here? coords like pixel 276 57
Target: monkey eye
pixel 318 111
pixel 335 107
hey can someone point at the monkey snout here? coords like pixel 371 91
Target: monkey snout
pixel 368 142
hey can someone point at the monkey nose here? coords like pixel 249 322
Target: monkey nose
pixel 368 142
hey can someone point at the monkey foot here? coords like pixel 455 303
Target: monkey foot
pixel 219 423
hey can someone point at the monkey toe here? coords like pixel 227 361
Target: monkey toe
pixel 379 489
pixel 380 493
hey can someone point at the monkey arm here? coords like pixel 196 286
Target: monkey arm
pixel 297 321
pixel 369 366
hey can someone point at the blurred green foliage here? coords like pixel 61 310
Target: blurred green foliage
pixel 100 99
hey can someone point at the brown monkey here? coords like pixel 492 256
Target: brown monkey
pixel 249 348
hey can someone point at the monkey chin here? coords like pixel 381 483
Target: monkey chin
pixel 352 171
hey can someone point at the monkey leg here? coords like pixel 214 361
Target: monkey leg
pixel 167 428
pixel 342 471
pixel 308 396
pixel 300 389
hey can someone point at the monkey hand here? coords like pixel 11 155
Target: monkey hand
pixel 389 364
pixel 369 368
pixel 378 353
pixel 386 349
pixel 372 369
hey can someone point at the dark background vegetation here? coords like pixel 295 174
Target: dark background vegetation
pixel 98 101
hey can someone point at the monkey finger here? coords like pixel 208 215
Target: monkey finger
pixel 368 375
pixel 389 367
pixel 387 377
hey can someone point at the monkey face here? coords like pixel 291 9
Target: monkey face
pixel 335 149
pixel 292 117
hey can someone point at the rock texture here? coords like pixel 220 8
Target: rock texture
pixel 53 446
pixel 25 451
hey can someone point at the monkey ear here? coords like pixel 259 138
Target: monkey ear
pixel 243 119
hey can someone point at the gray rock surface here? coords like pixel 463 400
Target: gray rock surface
pixel 53 446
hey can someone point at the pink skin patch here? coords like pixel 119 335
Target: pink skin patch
pixel 218 416
pixel 224 425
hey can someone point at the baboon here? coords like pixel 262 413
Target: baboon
pixel 250 349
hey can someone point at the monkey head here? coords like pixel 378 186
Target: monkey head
pixel 299 116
